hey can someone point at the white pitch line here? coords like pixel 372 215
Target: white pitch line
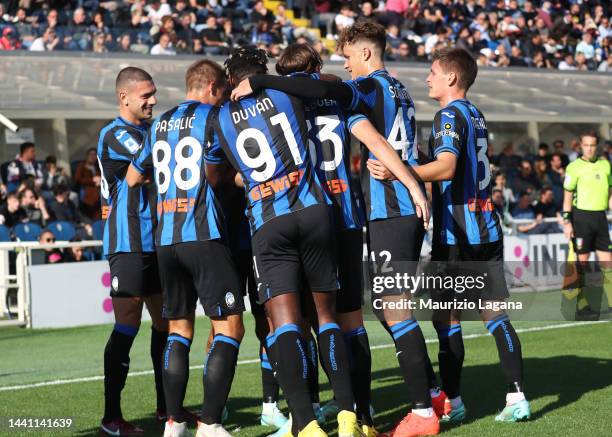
pixel 242 362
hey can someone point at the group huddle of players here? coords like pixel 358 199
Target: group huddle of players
pixel 175 191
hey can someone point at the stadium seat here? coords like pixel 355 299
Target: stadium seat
pixel 5 234
pixel 98 230
pixel 27 231
pixel 62 230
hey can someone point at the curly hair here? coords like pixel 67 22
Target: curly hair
pixel 245 61
pixel 364 31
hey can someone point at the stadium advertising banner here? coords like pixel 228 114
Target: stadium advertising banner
pixel 73 294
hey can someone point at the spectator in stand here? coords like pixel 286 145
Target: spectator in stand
pixel 10 40
pixel 586 46
pixel 11 213
pixel 34 206
pixel 260 13
pixel 87 178
pixel 164 46
pixel 48 42
pixel 53 175
pixel 157 10
pixel 52 256
pixel 75 254
pixel 402 54
pixel 525 211
pixel 124 43
pixel 507 160
pixel 99 43
pixel 367 12
pixel 540 167
pixel 23 167
pixel 345 18
pixel 62 209
pixel 526 180
pixel 546 208
pixel 556 173
pixel 77 36
pixel 98 24
pixel 568 62
pixel 24 28
pixel 262 35
pixel 501 185
pixel 501 208
pixel 575 150
pixel 212 36
pixel 559 146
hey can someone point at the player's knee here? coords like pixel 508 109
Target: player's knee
pixel 350 321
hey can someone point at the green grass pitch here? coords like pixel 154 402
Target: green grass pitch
pixel 568 380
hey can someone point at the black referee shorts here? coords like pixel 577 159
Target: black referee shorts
pixel 590 231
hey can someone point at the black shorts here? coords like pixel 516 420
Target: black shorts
pixel 199 269
pixel 394 248
pixel 244 265
pixel 350 270
pixel 484 263
pixel 590 231
pixel 134 274
pixel 292 243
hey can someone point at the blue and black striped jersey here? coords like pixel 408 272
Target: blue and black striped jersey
pixel 129 213
pixel 463 213
pixel 385 101
pixel 264 137
pixel 187 209
pixel 330 151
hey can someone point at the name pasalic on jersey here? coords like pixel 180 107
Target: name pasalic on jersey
pixel 175 124
pixel 252 111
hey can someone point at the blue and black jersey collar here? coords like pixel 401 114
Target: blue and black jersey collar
pixel 142 127
pixel 466 101
pixel 378 72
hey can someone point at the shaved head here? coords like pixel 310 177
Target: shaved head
pixel 129 76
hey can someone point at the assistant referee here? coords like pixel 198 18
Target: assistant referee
pixel 585 203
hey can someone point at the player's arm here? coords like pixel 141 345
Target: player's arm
pixel 569 186
pixel 141 165
pixel 303 87
pixel 219 172
pixel 365 132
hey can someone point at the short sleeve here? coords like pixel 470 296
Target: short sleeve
pixel 446 132
pixel 122 146
pixel 363 91
pixel 213 153
pixel 143 160
pixel 354 119
pixel 571 178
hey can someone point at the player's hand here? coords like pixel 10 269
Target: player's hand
pixel 421 205
pixel 379 171
pixel 242 90
pixel 568 230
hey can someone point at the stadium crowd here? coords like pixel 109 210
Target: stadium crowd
pixel 525 187
pixel 558 34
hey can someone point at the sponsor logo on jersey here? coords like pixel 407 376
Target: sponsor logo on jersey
pixel 170 206
pixel 446 133
pixel 477 205
pixel 448 114
pixel 278 185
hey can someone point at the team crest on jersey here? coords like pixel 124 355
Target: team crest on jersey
pixel 115 283
pixel 230 300
pixel 597 176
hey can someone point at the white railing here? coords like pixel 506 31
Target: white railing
pixel 515 223
pixel 15 292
